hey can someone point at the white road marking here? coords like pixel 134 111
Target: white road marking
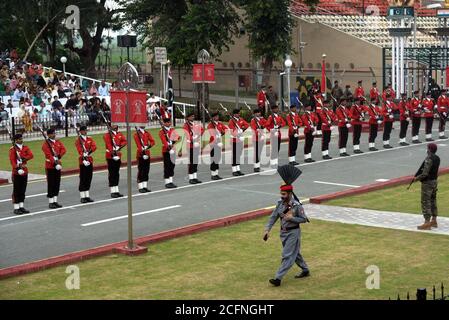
pixel 126 216
pixel 382 180
pixel 337 184
pixel 31 196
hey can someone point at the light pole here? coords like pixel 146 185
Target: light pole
pixel 288 64
pixel 63 61
pixel 323 75
pixel 203 57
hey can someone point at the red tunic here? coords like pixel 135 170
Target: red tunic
pixel 309 121
pixel 387 111
pixel 25 155
pixel 193 133
pixel 443 104
pixel 415 108
pixel 404 110
pixel 261 98
pixel 327 118
pixel 293 120
pixel 359 92
pixel 89 145
pixel 168 138
pixel 258 125
pixel 216 131
pixel 120 142
pixel 374 93
pixel 343 116
pixel 356 114
pixel 59 151
pixel 142 140
pixel 235 125
pixel 428 106
pixel 275 121
pixel 374 113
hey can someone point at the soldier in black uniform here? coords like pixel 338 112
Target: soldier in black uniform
pixel 428 175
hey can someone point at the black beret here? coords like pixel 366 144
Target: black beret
pixel 274 107
pixel 343 98
pixel 293 106
pixel 189 114
pixel 166 120
pixel 236 111
pixel 17 136
pixel 50 131
pixel 257 110
pixel 403 94
pixel 83 128
pixel 214 114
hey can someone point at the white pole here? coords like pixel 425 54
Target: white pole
pixel 401 66
pixel 393 63
pixel 288 88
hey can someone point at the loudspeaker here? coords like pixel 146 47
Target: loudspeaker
pixel 127 41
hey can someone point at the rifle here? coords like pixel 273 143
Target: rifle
pixel 49 145
pixel 141 140
pixel 111 136
pixel 18 157
pixel 302 105
pixel 416 174
pixel 249 108
pixel 167 137
pixel 81 143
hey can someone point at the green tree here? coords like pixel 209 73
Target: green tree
pixel 269 26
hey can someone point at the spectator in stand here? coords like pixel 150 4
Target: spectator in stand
pixel 104 106
pixel 71 103
pixel 18 94
pixel 37 99
pixel 103 89
pixel 4 115
pixel 93 90
pixel 85 85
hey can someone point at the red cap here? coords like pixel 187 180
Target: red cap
pixel 432 147
pixel 286 187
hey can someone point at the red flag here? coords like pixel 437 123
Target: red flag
pixel 137 108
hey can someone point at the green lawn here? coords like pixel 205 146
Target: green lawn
pixel 234 263
pixel 398 199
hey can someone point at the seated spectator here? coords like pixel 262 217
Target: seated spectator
pixel 4 115
pixel 72 103
pixel 56 104
pixel 18 94
pixel 103 89
pixel 93 89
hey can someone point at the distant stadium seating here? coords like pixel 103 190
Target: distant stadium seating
pixel 346 16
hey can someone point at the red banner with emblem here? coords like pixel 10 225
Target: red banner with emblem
pixel 447 77
pixel 209 73
pixel 137 108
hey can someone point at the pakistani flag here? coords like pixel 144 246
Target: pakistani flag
pixel 170 92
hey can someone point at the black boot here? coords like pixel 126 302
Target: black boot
pixel 303 274
pixel 275 282
pixel 83 200
pixel 24 210
pixel 52 205
pixel 88 199
pixel 197 181
pixel 57 205
pixel 256 169
pixel 18 211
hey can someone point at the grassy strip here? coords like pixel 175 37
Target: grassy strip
pixel 398 199
pixel 234 263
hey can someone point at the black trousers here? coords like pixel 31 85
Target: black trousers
pixel 388 126
pixel 442 125
pixel 237 148
pixel 343 137
pixel 114 172
pixel 403 131
pixel 356 134
pixel 85 177
pixel 416 124
pixel 258 146
pixel 373 128
pixel 143 169
pixel 53 182
pixel 169 165
pixel 19 187
pixel 429 124
pixel 215 158
pixel 194 154
pixel 325 140
pixel 273 141
pixel 318 127
pixel 292 145
pixel 308 142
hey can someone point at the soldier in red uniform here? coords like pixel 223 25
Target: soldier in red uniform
pixel 388 114
pixel 375 119
pixel 428 106
pixel 19 155
pixel 309 121
pixel 85 146
pixel 374 93
pixel 442 107
pixel 388 91
pixel 237 125
pixel 327 119
pixel 416 112
pixel 318 106
pixel 294 123
pixel 258 124
pixel 262 99
pixel 114 142
pixel 217 130
pixel 344 123
pixel 193 132
pixel 359 91
pixel 53 150
pixel 169 137
pixel 404 118
pixel 144 141
pixel 274 124
pixel 357 117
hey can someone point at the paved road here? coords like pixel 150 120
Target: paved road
pixel 46 233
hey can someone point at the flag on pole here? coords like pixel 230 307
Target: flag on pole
pixel 170 92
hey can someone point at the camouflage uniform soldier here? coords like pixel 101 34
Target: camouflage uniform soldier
pixel 429 187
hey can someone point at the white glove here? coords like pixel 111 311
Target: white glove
pixel 262 137
pixel 218 135
pixel 407 119
pixel 379 121
pixel 144 148
pixel 348 125
pixel 116 158
pixel 19 162
pixel 276 127
pixel 171 151
pixel 86 163
pixel 296 135
pixel 85 154
pixel 58 167
pixel 220 145
pixel 391 116
pixel 241 139
pixel 116 148
pixel 20 172
pixel 239 131
pixel 195 137
pixel 276 134
pixel 444 114
pixel 332 128
pixel 145 157
pixel 196 145
pixel 55 158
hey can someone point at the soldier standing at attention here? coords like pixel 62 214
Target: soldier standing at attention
pixel 19 155
pixel 53 150
pixel 144 141
pixel 85 146
pixel 428 175
pixel 169 137
pixel 309 120
pixel 294 122
pixel 258 126
pixel 114 142
pixel 442 109
pixel 217 131
pixel 291 213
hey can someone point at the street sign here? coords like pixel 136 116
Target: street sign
pixel 160 55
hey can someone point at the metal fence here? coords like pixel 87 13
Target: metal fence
pixel 421 294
